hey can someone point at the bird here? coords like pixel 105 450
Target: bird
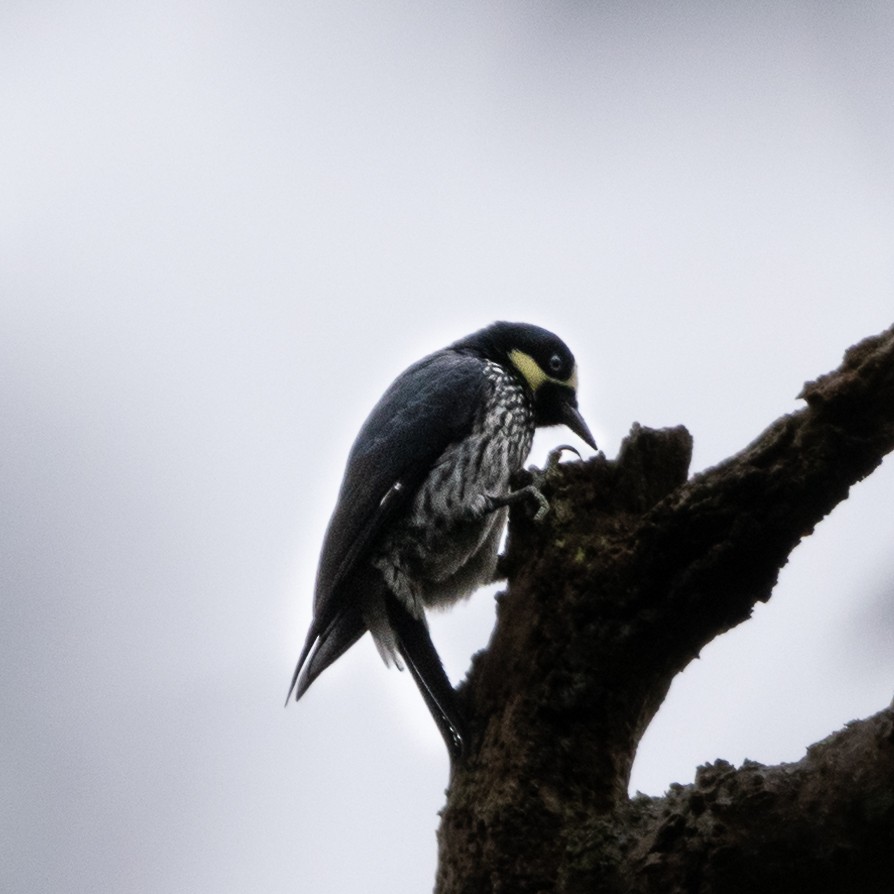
pixel 424 499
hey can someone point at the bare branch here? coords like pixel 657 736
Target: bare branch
pixel 822 824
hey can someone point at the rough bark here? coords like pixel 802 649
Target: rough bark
pixel 634 571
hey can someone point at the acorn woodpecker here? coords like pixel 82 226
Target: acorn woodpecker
pixel 424 500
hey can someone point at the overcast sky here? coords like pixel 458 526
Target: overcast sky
pixel 225 227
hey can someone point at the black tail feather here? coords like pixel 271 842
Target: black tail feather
pixel 425 665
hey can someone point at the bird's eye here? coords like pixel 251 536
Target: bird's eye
pixel 555 363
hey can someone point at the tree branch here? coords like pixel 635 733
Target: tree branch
pixel 822 824
pixel 633 571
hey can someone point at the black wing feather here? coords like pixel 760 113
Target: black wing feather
pixel 428 407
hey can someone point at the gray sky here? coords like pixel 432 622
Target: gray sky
pixel 224 228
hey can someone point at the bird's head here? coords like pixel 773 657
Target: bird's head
pixel 544 364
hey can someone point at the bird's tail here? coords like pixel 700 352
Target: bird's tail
pixel 417 649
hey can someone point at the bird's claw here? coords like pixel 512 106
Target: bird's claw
pixel 539 477
pixel 532 491
pixel 542 504
pixel 491 502
pixel 554 457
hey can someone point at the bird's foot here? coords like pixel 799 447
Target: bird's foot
pixel 539 477
pixel 486 503
pixel 553 458
pixel 490 502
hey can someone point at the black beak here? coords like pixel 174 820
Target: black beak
pixel 572 418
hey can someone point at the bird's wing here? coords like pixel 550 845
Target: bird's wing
pixel 427 408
